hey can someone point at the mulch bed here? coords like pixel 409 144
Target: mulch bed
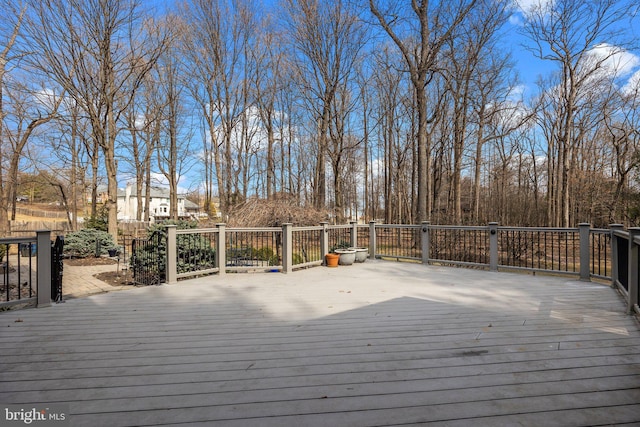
pixel 89 261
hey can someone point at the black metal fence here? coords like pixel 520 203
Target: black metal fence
pixel 30 270
pixel 398 241
pixel 248 248
pixel 57 249
pixel 540 249
pixel 306 245
pixel 600 245
pixel 339 237
pixel 459 245
pixel 625 276
pixel 196 251
pixel 18 269
pixel 148 259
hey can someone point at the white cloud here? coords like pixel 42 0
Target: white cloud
pixel 516 92
pixel 46 97
pixel 516 20
pixel 633 84
pixel 523 8
pixel 616 61
pixel 527 6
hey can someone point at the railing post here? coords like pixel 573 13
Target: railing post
pixel 425 241
pixel 172 254
pixel 372 240
pixel 324 240
pixel 632 290
pixel 615 273
pixel 287 247
pixel 585 253
pixel 493 246
pixel 354 234
pixel 221 244
pixel 43 242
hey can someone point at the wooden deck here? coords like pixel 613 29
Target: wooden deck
pixel 379 343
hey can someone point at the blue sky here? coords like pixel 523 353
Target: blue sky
pixel 529 67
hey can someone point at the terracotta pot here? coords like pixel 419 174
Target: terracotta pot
pixel 332 260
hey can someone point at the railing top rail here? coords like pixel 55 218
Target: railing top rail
pixel 550 229
pixel 458 227
pixel 255 229
pixel 197 230
pixel 339 226
pixel 398 225
pixel 600 230
pixel 13 240
pixel 636 240
pixel 308 228
pixel 621 233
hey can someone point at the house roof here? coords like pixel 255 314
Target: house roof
pixel 189 205
pixel 156 192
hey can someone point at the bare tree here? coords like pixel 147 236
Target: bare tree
pixel 420 34
pixel 216 45
pixel 94 49
pixel 465 54
pixel 622 130
pixel 327 38
pixel 9 33
pixel 30 110
pixel 268 80
pixel 571 34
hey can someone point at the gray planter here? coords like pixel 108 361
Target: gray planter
pixel 361 254
pixel 347 256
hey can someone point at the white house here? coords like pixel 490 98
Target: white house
pixel 159 204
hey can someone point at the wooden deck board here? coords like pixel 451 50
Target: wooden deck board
pixel 373 344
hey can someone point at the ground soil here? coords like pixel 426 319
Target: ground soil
pixel 90 261
pixel 115 278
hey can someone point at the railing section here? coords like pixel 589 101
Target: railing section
pixel 254 249
pixel 400 242
pixel 362 235
pixel 600 259
pixel 307 248
pixel 57 266
pixel 459 245
pixel 25 263
pixel 625 249
pixel 633 294
pixel 340 237
pixel 540 249
pixel 18 270
pixel 196 252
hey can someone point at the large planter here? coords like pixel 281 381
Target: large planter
pixel 347 256
pixel 361 254
pixel 332 260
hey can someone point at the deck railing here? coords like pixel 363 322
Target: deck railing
pixel 307 246
pixel 26 265
pixel 625 247
pixel 583 252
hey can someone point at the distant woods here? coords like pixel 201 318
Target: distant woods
pixel 393 111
